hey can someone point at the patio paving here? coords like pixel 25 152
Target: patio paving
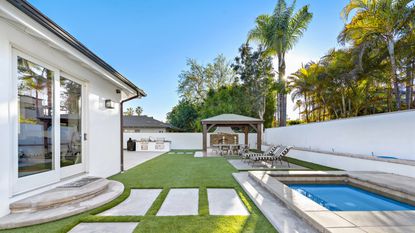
pixel 225 202
pixel 180 202
pixel 105 227
pixel 241 165
pixel 134 158
pixel 137 204
pixel 279 215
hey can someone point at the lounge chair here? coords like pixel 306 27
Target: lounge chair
pixel 277 155
pixel 272 149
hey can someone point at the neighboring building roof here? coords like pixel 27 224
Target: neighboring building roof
pixel 144 122
pixel 231 118
pixel 43 20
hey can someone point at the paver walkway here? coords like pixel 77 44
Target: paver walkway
pixel 225 202
pixel 180 202
pixel 105 227
pixel 137 204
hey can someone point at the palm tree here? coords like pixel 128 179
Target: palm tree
pixel 279 33
pixel 379 20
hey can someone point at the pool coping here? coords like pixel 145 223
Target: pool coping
pixel 321 218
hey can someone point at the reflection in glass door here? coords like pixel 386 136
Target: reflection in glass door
pixel 70 122
pixel 35 118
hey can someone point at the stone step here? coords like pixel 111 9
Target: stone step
pixel 113 190
pixel 74 192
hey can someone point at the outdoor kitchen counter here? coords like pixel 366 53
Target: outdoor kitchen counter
pixel 153 145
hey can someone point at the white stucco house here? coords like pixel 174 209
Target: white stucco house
pixel 60 106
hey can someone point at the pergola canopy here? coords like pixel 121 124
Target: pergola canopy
pixel 233 120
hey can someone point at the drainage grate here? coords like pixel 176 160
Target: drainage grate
pixel 80 183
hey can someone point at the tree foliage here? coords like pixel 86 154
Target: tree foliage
pixel 245 87
pixel 278 33
pixel 184 116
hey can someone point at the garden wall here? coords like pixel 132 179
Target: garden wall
pixel 186 141
pixel 354 144
pixel 389 134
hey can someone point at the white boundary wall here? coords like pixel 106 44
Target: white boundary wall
pixel 389 134
pixel 185 141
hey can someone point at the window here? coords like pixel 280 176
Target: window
pixel 35 118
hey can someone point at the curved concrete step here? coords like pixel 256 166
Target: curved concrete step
pixel 14 220
pixel 77 191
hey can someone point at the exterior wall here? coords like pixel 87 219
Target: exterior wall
pixel 390 134
pixel 103 125
pixel 5 127
pixel 184 141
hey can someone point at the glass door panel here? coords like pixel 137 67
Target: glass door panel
pixel 35 118
pixel 70 122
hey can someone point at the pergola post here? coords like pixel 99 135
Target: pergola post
pixel 246 134
pixel 259 136
pixel 204 137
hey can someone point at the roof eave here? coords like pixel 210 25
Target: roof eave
pixel 51 26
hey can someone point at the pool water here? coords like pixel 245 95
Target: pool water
pixel 348 198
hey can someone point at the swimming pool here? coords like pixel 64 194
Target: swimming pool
pixel 343 197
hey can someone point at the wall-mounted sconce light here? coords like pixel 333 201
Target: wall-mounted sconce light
pixel 109 104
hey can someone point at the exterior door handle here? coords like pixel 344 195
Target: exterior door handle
pixel 85 136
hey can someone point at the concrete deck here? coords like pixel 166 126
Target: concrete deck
pixel 342 221
pixel 134 158
pixel 241 165
pixel 280 216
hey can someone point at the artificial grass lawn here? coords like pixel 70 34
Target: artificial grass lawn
pixel 173 171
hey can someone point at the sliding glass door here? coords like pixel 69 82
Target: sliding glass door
pixel 49 132
pixel 35 118
pixel 71 127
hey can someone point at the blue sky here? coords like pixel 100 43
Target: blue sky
pixel 149 41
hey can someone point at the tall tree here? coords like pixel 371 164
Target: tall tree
pixel 279 33
pixel 255 71
pixel 129 112
pixel 195 83
pixel 138 110
pixel 184 116
pixel 379 20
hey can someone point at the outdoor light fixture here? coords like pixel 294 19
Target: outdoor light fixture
pixel 109 104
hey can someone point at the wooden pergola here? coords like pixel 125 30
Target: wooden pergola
pixel 233 120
